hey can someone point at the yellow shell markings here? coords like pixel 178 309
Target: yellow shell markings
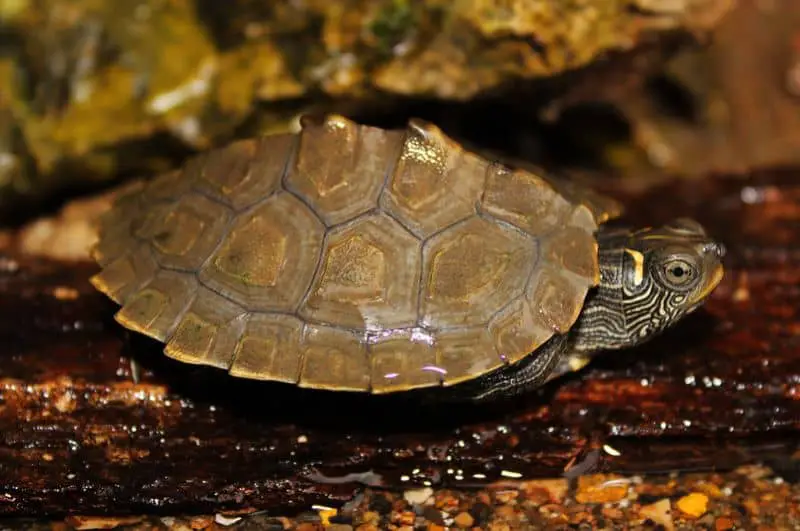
pixel 351 258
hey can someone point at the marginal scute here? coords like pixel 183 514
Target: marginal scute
pixel 583 218
pixel 269 349
pixel 368 278
pixel 341 166
pixel 247 171
pixel 518 330
pixel 403 359
pixel 465 354
pixel 208 332
pixel 128 273
pixel 601 207
pixel 149 221
pixel 334 359
pixel 115 236
pixel 557 296
pixel 435 183
pixel 472 270
pixel 188 232
pixel 268 257
pixel 524 199
pixel 155 308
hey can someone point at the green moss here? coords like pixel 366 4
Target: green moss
pixel 392 26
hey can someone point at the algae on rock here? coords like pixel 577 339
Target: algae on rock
pixel 85 80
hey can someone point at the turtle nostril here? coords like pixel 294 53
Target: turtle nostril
pixel 717 248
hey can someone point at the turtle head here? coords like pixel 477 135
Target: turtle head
pixel 649 280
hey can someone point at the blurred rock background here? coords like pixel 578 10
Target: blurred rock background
pixel 95 91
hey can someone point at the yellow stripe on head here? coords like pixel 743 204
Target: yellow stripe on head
pixel 638 265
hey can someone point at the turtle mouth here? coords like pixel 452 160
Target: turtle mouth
pixel 713 282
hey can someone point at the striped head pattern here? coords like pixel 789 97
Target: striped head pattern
pixel 650 279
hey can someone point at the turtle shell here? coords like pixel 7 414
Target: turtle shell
pixel 349 257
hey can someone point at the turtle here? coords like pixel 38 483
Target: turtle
pixel 352 258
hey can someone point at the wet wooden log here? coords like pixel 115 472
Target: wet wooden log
pixel 77 435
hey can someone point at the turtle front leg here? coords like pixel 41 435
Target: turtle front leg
pixel 524 376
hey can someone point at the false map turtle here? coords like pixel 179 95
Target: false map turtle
pixel 352 258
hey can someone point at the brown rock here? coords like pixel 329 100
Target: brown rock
pixel 448 50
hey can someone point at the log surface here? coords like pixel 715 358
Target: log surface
pixel 719 390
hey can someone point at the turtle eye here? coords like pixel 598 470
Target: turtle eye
pixel 679 272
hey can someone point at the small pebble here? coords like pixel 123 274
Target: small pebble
pixel 723 523
pixel 506 496
pixel 433 515
pixel 325 516
pixel 709 489
pixel 506 512
pixel 464 520
pixel 380 504
pixel 418 496
pixel 201 522
pixel 660 513
pixel 370 517
pixel 407 518
pixel 600 488
pixel 754 471
pixel 481 512
pixel 612 512
pixel 446 502
pixel 694 505
pixel 555 489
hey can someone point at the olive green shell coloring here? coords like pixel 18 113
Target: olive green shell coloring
pixel 348 257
